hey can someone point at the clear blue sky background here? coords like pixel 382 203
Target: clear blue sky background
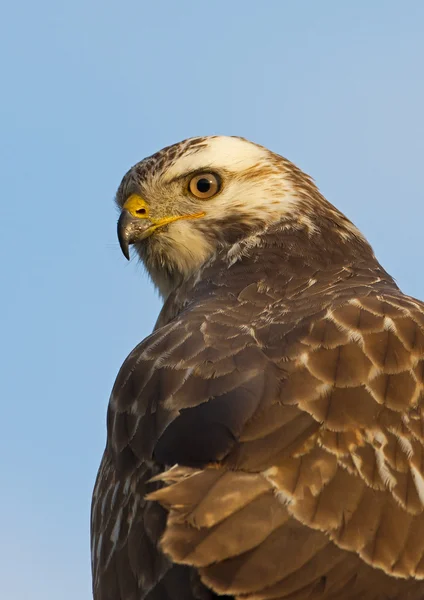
pixel 88 89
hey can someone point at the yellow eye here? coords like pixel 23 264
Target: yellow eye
pixel 204 185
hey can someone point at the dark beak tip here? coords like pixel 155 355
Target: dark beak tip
pixel 123 234
pixel 123 243
pixel 125 252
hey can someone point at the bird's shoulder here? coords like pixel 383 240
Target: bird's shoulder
pixel 294 412
pixel 230 356
pixel 332 460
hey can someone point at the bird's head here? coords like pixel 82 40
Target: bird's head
pixel 186 203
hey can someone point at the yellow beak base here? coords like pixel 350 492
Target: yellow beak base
pixel 135 224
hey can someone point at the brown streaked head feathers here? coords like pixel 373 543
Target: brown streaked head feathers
pixel 266 442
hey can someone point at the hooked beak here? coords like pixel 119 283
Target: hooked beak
pixel 131 229
pixel 135 225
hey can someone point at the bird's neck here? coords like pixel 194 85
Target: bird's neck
pixel 280 261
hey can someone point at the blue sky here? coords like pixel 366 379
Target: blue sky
pixel 88 89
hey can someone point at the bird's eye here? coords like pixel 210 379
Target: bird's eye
pixel 204 185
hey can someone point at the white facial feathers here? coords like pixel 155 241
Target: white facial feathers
pixel 234 154
pixel 253 180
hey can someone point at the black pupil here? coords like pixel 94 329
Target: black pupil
pixel 203 185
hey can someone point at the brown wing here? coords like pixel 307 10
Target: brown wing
pixel 300 447
pixel 336 463
pixel 182 396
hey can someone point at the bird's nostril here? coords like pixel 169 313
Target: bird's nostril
pixel 141 211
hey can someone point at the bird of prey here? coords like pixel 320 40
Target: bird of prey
pixel 266 441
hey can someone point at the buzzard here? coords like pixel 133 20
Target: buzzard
pixel 266 441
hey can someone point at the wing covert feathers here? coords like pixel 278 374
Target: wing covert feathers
pixel 336 463
pixel 298 445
